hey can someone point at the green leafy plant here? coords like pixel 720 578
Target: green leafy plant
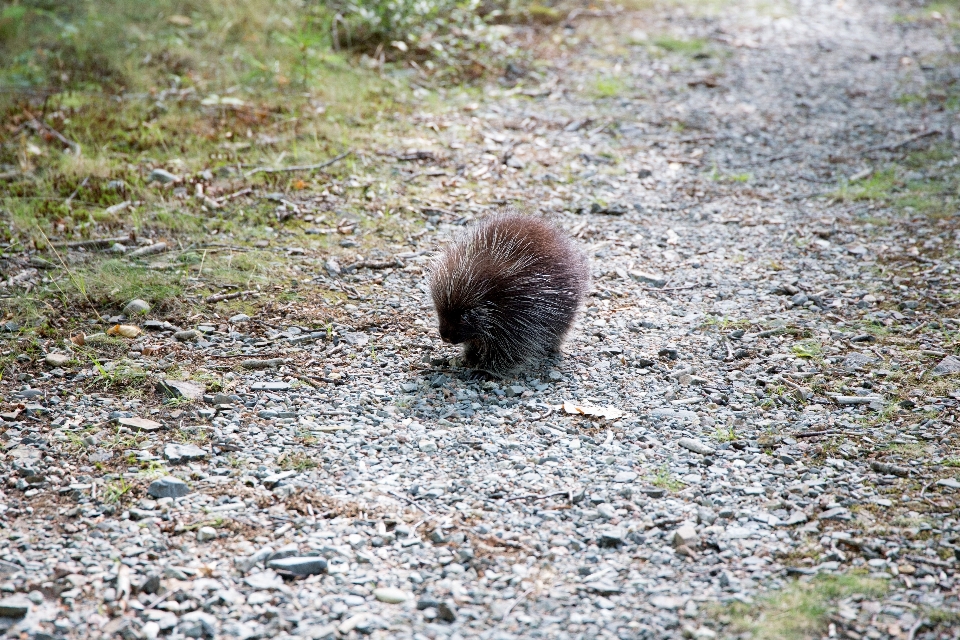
pixel 806 349
pixel 114 491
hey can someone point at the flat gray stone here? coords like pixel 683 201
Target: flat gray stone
pixel 299 565
pixel 738 533
pixel 180 389
pixel 140 424
pixel 240 317
pixel 390 595
pixel 858 360
pixel 947 366
pixel 136 307
pixel 685 536
pixel 649 279
pixel 670 603
pixel 205 534
pixel 168 487
pixel 57 359
pixel 838 513
pixel 274 385
pixel 612 537
pixel 162 176
pixel 183 452
pixel 696 446
pixel 273 480
pixel 15 606
pixel 625 476
pixel 950 483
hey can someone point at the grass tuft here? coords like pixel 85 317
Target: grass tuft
pixel 800 610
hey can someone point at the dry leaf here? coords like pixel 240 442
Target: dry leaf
pixel 609 413
pixel 149 351
pixel 125 330
pixel 78 339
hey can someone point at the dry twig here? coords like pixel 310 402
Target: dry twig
pixel 304 167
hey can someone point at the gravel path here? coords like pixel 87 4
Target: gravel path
pixel 758 390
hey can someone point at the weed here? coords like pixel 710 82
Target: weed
pixel 806 349
pixel 119 376
pixel 296 461
pixel 608 87
pixel 114 491
pixel 725 323
pixel 215 522
pixel 800 610
pixel 153 469
pixel 724 434
pixel 676 45
pixel 665 480
pixel 190 435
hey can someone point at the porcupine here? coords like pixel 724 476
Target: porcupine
pixel 508 289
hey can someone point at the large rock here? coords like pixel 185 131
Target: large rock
pixel 136 307
pixel 168 487
pixel 14 606
pixel 299 565
pixel 696 446
pixel 205 534
pixel 183 452
pixel 162 176
pixel 57 359
pixel 857 360
pixel 390 595
pixel 685 536
pixel 947 366
pixel 140 424
pixel 180 389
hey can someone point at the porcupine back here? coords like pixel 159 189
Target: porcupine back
pixel 508 288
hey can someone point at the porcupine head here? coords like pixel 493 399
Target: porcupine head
pixel 508 289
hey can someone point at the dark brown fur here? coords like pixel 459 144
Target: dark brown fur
pixel 508 289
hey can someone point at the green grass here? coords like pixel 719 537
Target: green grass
pixel 663 479
pixel 114 491
pixel 724 434
pixel 801 609
pixel 676 45
pixel 806 349
pixel 608 87
pixel 922 183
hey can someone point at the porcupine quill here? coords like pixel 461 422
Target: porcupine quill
pixel 508 289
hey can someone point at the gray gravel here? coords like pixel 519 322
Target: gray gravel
pixel 720 423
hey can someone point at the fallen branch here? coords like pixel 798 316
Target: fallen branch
pixel 374 264
pixel 307 381
pixel 902 143
pixel 220 297
pixel 933 562
pixel 516 602
pixel 169 594
pixel 412 503
pixel 814 434
pixel 304 167
pixel 686 286
pixel 76 191
pixel 37 126
pixel 534 496
pixel 916 627
pixel 91 244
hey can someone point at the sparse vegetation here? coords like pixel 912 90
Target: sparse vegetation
pixel 800 610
